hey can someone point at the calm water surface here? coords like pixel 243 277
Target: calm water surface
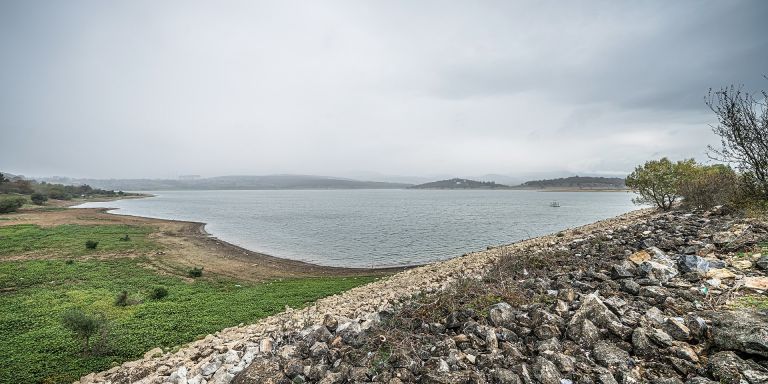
pixel 364 228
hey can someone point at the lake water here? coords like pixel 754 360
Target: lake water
pixel 364 228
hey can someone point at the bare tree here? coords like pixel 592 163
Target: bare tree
pixel 743 130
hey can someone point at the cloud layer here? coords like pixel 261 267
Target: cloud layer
pixel 158 89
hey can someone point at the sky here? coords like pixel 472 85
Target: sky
pixel 367 89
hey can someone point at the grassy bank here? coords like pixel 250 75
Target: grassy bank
pixel 35 293
pixel 70 239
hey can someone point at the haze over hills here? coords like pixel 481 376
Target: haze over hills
pixel 231 182
pixel 193 182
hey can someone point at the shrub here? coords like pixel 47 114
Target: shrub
pixel 158 293
pixel 90 244
pixel 38 198
pixel 195 272
pixel 709 186
pixel 125 238
pixel 122 299
pixel 69 262
pixel 657 181
pixel 83 326
pixel 11 204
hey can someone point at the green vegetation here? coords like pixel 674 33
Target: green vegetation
pixel 758 302
pixel 37 347
pixel 38 198
pixel 11 203
pixel 158 293
pixel 83 326
pixel 195 272
pixel 40 192
pixel 460 184
pixel 68 240
pixel 657 181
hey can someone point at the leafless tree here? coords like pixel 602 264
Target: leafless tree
pixel 743 130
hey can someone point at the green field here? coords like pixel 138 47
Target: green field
pixel 34 294
pixel 69 240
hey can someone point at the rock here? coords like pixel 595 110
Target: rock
pixel 610 356
pixel 592 313
pixel 675 327
pixel 720 273
pixel 545 371
pixel 348 331
pixel 697 326
pixel 727 367
pixel 692 263
pixel 744 331
pixel 742 264
pixel 640 257
pixel 266 345
pixel 685 352
pixel 330 322
pixel 621 272
pixel 630 286
pixel 657 271
pixel 318 349
pixel 501 314
pixel 154 352
pixel 210 368
pixel 762 262
pixel 756 282
pixel 722 238
pixel 262 370
pixel 641 342
pixel 505 376
pixel 654 292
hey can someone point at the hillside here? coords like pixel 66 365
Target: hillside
pixel 576 182
pixel 460 184
pixel 233 182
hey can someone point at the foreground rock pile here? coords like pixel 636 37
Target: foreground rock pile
pixel 648 298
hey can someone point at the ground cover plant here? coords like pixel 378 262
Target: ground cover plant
pixel 36 294
pixel 70 239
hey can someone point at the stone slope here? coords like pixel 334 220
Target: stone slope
pixel 278 348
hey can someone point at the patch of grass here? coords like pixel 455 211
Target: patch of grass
pixel 758 302
pixel 68 239
pixel 37 348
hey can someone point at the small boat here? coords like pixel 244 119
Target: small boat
pixel 554 204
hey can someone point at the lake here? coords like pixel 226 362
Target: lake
pixel 375 228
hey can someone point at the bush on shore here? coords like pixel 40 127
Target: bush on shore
pixel 84 327
pixel 91 244
pixel 38 198
pixel 11 204
pixel 195 272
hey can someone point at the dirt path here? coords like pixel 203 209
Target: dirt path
pixel 186 245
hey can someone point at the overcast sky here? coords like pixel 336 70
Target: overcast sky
pixel 350 88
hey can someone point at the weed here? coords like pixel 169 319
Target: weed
pixel 195 272
pixel 90 244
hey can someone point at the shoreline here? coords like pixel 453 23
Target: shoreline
pixel 361 303
pixel 186 244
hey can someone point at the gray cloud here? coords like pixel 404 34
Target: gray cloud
pixel 158 89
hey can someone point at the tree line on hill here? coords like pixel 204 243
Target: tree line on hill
pixel 16 191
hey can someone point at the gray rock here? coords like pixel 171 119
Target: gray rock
pixel 727 367
pixel 501 314
pixel 675 327
pixel 505 376
pixel 630 286
pixel 693 263
pixel 593 311
pixel 619 271
pixel 610 356
pixel 762 262
pixel 545 371
pixel 745 331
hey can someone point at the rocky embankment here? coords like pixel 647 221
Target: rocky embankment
pixel 659 298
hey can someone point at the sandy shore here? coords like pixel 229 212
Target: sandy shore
pixel 185 245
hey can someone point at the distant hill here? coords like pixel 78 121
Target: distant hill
pixel 231 182
pixel 576 182
pixel 460 184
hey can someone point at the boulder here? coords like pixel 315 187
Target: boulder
pixel 744 331
pixel 581 327
pixel 610 356
pixel 727 367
